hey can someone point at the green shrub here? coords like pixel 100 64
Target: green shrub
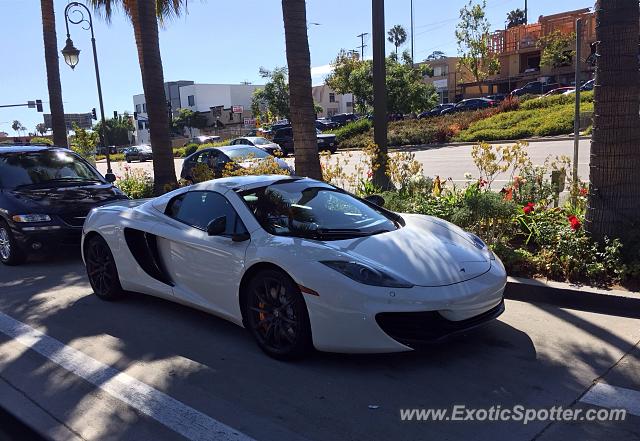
pixel 136 183
pixel 352 129
pixel 118 157
pixel 190 149
pixel 40 140
pixel 556 100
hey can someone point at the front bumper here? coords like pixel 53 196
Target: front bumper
pixel 355 318
pixel 40 237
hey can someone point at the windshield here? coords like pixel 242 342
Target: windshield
pixel 260 141
pixel 317 212
pixel 243 153
pixel 45 167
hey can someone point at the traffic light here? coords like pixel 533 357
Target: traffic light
pixel 115 114
pixel 39 105
pixel 93 114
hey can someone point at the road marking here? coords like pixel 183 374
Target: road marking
pixel 168 411
pixel 613 397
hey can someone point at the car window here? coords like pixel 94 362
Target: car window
pixel 203 158
pixel 260 141
pixel 198 208
pixel 248 152
pixel 41 167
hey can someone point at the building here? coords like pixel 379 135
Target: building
pixel 224 105
pixel 519 52
pixel 331 102
pixel 447 78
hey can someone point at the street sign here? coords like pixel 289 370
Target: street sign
pixel 249 122
pixel 237 109
pixel 83 120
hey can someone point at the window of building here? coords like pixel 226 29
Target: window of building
pixel 138 108
pixel 140 125
pixel 144 107
pixel 349 104
pixel 191 100
pixel 441 71
pixel 332 97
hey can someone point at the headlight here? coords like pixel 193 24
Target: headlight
pixel 31 218
pixel 481 245
pixel 366 275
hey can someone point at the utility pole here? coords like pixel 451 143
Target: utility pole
pixel 362 45
pixel 526 13
pixel 412 32
pixel 380 117
pixel 576 122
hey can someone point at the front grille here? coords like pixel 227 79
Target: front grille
pixel 412 328
pixel 74 220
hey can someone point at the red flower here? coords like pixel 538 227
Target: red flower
pixel 482 182
pixel 528 209
pixel 584 192
pixel 575 222
pixel 369 174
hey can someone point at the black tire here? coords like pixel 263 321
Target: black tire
pixel 128 160
pixel 276 315
pixel 10 253
pixel 102 270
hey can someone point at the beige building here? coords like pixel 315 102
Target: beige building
pixel 331 102
pixel 447 78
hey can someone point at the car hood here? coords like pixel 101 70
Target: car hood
pixel 64 199
pixel 326 136
pixel 426 252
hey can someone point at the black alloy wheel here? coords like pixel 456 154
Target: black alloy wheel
pixel 277 315
pixel 102 270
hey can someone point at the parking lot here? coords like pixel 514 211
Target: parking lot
pixel 146 369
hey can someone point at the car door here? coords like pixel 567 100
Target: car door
pixel 206 270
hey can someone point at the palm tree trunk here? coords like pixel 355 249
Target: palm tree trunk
pixel 53 73
pixel 301 98
pixel 146 33
pixel 614 196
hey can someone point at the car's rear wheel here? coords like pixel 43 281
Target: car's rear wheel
pixel 10 253
pixel 128 160
pixel 277 315
pixel 101 269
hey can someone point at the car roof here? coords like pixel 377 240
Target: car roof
pixel 29 148
pixel 242 183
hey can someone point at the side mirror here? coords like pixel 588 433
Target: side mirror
pixel 375 199
pixel 217 226
pixel 110 178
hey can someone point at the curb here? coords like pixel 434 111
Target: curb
pixel 565 295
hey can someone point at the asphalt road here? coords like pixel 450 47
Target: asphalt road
pixel 448 161
pixel 146 369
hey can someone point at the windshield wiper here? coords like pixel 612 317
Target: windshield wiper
pixel 53 181
pixel 349 232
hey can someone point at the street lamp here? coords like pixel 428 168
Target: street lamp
pixel 74 13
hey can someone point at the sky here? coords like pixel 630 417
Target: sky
pixel 215 42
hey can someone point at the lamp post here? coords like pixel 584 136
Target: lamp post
pixel 74 13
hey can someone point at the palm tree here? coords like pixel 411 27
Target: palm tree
pixel 301 103
pixel 614 196
pixel 515 18
pixel 41 129
pixel 144 17
pixel 53 73
pixel 397 36
pixel 18 127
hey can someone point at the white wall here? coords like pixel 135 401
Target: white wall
pixel 213 95
pixel 142 136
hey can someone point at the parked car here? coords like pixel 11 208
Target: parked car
pixel 204 139
pixel 299 263
pixel 535 88
pixel 499 97
pixel 217 158
pixel 101 150
pixel 559 91
pixel 138 153
pixel 344 118
pixel 45 196
pixel 588 85
pixel 437 110
pixel 327 123
pixel 284 138
pixel 470 104
pixel 257 141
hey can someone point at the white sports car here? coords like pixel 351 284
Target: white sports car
pixel 298 262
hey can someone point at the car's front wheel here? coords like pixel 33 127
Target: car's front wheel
pixel 277 315
pixel 101 269
pixel 10 253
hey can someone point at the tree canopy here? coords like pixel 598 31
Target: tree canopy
pixel 516 18
pixel 397 36
pixel 189 119
pixel 272 102
pixel 472 33
pixel 117 129
pixel 406 90
pixel 557 49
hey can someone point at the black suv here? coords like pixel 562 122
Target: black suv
pixel 535 88
pixel 343 118
pixel 45 196
pixel 284 138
